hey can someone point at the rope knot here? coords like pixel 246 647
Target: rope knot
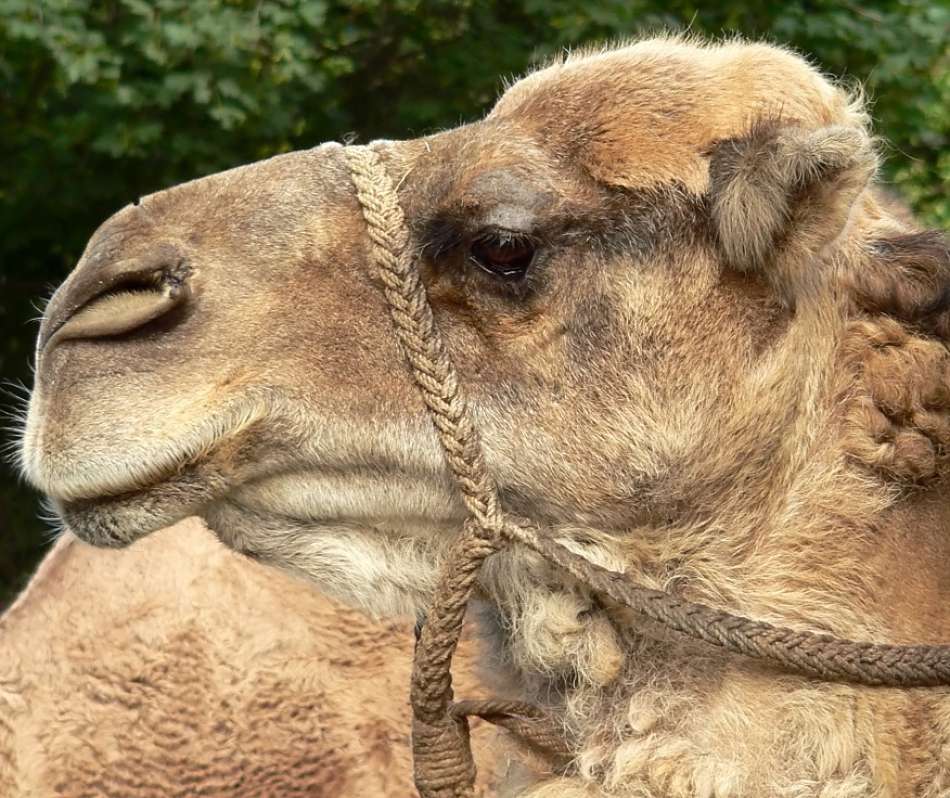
pixel 442 757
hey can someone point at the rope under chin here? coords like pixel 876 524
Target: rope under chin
pixel 443 762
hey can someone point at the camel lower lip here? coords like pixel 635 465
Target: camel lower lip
pixel 120 519
pixel 113 522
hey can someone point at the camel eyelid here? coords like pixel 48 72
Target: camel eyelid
pixel 504 236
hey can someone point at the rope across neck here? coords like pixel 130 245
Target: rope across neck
pixel 443 762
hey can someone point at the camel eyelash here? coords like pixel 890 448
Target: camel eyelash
pixel 503 254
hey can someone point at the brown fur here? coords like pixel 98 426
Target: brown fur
pixel 176 668
pixel 724 374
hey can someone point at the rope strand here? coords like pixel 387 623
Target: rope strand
pixel 823 656
pixel 442 756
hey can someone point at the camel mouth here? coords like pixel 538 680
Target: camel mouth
pixel 78 482
pixel 84 471
pixel 116 520
pixel 111 496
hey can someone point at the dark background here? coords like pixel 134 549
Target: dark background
pixel 102 101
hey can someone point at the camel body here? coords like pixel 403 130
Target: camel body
pixel 177 668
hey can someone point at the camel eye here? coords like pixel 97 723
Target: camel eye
pixel 503 254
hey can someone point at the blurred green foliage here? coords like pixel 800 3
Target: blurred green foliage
pixel 104 100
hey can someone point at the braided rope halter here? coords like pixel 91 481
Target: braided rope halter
pixel 443 762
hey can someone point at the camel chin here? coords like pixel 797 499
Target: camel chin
pixel 117 521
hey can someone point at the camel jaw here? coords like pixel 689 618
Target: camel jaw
pixel 385 567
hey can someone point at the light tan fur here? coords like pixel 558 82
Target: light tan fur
pixel 177 668
pixel 725 374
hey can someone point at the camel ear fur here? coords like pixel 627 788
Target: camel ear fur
pixel 782 190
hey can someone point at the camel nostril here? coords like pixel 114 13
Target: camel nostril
pixel 120 310
pixel 116 299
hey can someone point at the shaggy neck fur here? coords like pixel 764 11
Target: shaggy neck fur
pixel 656 715
pixel 805 535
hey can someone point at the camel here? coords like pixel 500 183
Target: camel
pixel 178 668
pixel 699 351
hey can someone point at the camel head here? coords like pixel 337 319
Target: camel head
pixel 644 263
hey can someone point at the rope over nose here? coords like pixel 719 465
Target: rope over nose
pixel 443 762
pixel 442 755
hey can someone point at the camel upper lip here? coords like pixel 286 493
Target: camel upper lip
pixel 70 479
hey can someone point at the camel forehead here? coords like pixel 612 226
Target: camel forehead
pixel 645 114
pixel 640 115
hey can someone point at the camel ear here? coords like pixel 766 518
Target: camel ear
pixel 781 186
